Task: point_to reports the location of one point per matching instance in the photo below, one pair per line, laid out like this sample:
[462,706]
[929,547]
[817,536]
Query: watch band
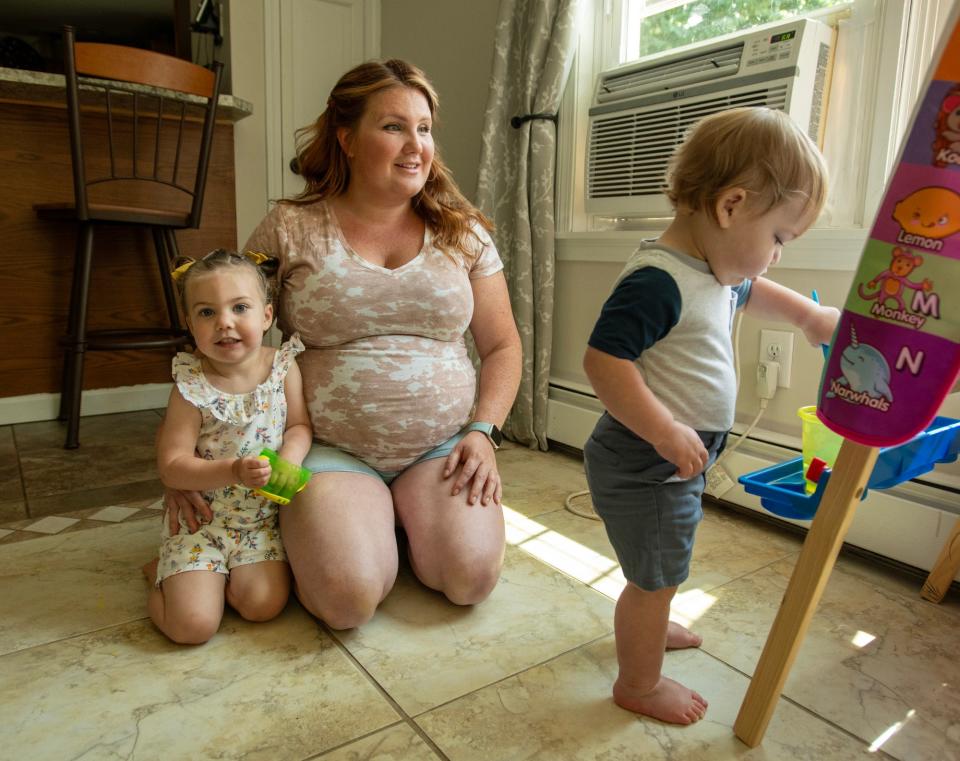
[489,430]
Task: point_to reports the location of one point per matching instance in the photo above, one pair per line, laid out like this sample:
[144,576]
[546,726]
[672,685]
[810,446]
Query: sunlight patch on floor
[572,558]
[862,639]
[688,606]
[597,571]
[891,731]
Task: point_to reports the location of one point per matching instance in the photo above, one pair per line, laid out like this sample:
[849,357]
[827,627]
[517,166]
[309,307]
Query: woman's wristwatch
[489,430]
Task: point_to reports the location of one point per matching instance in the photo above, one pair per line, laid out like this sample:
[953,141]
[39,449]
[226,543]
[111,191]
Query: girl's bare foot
[669,701]
[679,637]
[150,571]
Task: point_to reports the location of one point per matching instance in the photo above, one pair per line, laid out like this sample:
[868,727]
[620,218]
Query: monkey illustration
[892,281]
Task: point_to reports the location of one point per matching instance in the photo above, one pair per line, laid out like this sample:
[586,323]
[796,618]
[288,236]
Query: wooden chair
[158,147]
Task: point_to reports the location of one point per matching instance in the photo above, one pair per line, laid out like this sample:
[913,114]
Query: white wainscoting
[100,401]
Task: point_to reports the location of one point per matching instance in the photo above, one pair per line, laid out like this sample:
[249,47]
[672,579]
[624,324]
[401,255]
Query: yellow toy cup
[818,441]
[286,479]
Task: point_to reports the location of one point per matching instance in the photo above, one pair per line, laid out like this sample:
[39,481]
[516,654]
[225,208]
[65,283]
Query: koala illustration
[948,127]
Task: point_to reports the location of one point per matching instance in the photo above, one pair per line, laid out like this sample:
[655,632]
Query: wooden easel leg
[850,476]
[945,569]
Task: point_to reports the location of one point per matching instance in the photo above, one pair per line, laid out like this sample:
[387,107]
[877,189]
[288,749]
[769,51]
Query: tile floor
[526,675]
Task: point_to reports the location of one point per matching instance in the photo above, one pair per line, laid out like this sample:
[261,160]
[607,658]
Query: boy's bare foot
[150,571]
[669,701]
[679,637]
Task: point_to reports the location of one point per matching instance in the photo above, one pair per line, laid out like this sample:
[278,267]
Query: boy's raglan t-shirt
[670,316]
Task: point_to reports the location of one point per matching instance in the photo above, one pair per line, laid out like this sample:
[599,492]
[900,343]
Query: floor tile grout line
[347,743]
[405,717]
[517,673]
[412,719]
[76,635]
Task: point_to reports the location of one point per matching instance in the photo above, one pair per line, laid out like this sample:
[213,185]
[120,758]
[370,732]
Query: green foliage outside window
[705,20]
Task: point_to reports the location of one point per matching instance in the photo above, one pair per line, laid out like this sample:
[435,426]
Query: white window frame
[892,38]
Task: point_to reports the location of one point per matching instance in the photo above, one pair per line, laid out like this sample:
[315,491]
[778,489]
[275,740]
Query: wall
[417,30]
[452,41]
[250,134]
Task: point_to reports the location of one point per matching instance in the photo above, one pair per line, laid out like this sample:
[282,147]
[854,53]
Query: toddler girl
[232,398]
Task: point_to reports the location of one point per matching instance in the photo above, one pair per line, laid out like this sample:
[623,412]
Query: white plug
[767,374]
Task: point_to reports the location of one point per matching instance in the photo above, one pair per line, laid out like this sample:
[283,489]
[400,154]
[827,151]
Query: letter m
[926,304]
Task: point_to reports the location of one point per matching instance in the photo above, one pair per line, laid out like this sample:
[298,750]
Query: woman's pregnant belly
[388,399]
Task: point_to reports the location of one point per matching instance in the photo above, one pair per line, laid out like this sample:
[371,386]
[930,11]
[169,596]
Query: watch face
[495,436]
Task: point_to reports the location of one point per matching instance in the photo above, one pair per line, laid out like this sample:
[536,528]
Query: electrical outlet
[777,346]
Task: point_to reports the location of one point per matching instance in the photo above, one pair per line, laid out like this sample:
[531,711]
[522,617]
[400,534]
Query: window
[653,26]
[883,49]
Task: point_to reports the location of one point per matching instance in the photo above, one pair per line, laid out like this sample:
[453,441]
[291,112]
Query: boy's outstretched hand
[252,471]
[683,447]
[819,324]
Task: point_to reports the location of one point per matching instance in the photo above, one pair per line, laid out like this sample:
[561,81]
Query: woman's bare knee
[342,603]
[470,583]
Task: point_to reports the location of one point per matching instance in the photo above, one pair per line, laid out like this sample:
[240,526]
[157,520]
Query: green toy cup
[286,479]
[818,441]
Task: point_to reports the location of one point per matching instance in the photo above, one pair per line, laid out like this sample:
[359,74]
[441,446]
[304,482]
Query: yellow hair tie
[256,257]
[180,271]
[253,256]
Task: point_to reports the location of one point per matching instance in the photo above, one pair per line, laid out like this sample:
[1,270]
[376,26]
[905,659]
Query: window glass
[657,25]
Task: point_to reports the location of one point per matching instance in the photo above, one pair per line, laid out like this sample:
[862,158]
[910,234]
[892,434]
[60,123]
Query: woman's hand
[189,504]
[475,456]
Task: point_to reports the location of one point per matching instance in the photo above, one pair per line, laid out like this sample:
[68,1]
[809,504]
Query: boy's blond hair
[758,149]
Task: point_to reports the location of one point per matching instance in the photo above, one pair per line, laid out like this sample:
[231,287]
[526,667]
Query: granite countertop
[36,86]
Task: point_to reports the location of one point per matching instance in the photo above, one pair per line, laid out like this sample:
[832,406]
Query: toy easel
[894,358]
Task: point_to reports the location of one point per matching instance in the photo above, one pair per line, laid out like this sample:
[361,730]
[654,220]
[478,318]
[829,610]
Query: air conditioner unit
[642,111]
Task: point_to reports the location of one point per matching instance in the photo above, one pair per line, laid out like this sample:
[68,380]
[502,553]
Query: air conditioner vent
[642,111]
[703,67]
[629,152]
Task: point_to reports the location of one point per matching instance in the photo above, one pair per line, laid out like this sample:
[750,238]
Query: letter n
[913,362]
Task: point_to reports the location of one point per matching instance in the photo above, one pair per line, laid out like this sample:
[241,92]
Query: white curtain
[534,48]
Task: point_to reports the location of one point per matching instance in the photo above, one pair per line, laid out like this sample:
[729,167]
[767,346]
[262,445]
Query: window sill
[833,249]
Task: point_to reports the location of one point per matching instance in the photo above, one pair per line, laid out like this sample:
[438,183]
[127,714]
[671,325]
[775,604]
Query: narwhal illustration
[864,369]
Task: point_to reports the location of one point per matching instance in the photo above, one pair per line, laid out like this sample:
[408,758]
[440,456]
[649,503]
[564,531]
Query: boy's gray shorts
[651,520]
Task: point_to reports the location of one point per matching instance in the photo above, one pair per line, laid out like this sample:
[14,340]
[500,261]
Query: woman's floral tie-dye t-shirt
[386,372]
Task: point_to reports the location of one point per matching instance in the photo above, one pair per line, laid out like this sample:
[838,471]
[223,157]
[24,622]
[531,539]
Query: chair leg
[77,337]
[165,257]
[66,380]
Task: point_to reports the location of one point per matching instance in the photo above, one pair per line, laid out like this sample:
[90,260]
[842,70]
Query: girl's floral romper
[245,526]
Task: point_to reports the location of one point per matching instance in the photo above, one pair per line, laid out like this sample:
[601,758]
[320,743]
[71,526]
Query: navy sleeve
[743,292]
[642,309]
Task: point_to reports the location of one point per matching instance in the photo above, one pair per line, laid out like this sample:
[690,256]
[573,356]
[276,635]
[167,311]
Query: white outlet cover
[784,340]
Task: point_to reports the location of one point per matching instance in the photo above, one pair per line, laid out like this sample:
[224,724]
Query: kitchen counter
[21,86]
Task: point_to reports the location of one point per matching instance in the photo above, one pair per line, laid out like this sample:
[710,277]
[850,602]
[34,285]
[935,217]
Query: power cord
[768,374]
[585,512]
